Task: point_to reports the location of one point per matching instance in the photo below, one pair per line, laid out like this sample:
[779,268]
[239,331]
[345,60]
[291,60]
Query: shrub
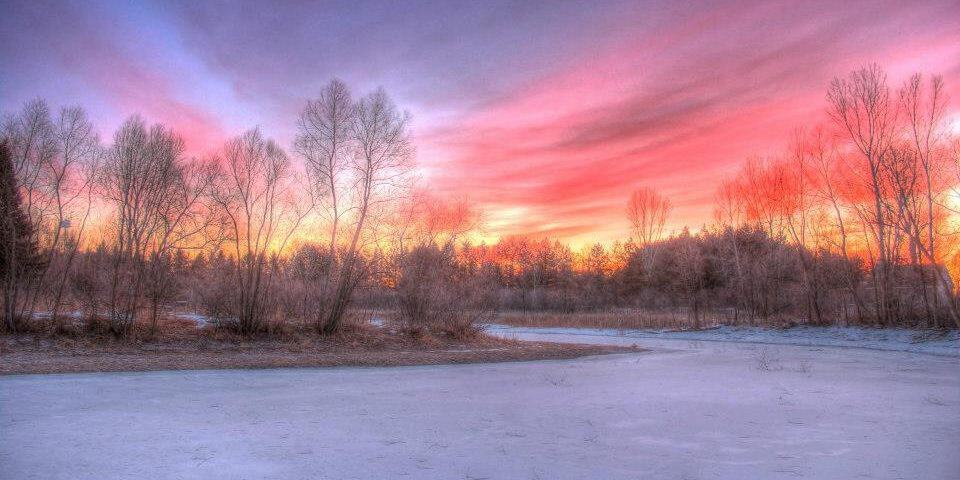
[434,294]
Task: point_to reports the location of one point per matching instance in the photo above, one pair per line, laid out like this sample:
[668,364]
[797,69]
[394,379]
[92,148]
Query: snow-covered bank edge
[889,339]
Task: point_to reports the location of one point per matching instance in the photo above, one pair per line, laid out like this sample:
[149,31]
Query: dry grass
[179,346]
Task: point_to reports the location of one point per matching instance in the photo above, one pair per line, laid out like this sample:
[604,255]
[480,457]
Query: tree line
[877,185]
[155,205]
[852,224]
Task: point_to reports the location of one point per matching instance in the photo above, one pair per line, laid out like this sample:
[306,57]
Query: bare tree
[729,213]
[255,198]
[141,178]
[75,233]
[184,222]
[758,188]
[31,138]
[50,159]
[380,170]
[325,141]
[647,211]
[796,205]
[925,111]
[69,175]
[426,219]
[861,107]
[825,166]
[954,167]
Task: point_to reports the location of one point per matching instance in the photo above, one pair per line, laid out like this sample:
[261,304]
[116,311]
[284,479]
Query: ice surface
[686,409]
[198,318]
[894,339]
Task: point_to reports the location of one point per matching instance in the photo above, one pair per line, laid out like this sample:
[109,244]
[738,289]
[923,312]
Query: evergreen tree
[18,251]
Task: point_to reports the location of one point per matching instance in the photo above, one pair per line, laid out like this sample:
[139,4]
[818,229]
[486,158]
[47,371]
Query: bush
[434,294]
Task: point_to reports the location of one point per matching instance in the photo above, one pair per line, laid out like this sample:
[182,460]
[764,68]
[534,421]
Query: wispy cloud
[547,114]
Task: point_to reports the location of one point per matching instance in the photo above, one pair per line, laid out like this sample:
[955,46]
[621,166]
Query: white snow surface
[893,339]
[684,409]
[200,319]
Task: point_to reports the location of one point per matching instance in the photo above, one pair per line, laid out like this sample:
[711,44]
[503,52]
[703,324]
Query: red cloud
[676,109]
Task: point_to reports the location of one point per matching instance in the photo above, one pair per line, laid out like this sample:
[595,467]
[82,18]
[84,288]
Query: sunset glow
[546,115]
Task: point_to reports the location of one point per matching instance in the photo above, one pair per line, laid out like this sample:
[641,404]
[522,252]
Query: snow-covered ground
[893,339]
[686,409]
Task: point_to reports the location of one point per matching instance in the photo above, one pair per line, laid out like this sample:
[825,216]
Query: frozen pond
[687,409]
[892,339]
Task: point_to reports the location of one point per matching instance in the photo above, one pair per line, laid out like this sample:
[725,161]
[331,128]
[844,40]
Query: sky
[545,114]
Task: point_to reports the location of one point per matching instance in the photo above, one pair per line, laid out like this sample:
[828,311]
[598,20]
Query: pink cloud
[546,114]
[676,109]
[149,92]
